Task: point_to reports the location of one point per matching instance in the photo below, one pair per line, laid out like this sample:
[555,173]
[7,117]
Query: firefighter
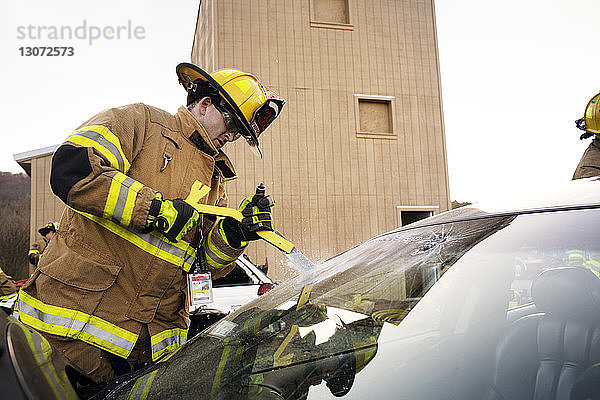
[47,231]
[589,165]
[109,292]
[8,291]
[579,258]
[34,256]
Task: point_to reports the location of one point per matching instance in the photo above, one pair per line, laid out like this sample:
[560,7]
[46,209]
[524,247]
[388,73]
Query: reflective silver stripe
[215,257]
[592,267]
[96,137]
[8,301]
[45,363]
[75,325]
[151,243]
[117,214]
[168,341]
[142,387]
[163,244]
[8,296]
[210,248]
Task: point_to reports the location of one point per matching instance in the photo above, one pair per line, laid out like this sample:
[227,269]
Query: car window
[418,312]
[236,277]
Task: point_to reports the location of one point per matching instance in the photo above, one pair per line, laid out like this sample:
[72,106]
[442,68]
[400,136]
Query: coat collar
[199,138]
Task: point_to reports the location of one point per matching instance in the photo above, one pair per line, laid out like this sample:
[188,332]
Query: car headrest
[568,292]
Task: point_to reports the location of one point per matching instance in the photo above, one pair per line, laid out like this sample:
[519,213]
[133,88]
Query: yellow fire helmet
[241,94]
[49,227]
[590,123]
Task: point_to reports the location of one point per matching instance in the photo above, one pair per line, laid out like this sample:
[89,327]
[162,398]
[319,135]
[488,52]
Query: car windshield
[416,313]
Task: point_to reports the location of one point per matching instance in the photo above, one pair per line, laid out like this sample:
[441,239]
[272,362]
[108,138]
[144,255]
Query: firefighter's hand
[256,210]
[172,218]
[34,256]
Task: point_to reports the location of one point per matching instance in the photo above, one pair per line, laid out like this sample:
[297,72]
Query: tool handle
[264,201]
[261,189]
[199,191]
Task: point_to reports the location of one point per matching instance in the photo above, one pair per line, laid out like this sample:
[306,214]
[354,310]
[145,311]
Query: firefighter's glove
[34,256]
[172,218]
[256,210]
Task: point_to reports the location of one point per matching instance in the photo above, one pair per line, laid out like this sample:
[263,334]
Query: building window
[375,116]
[409,214]
[331,14]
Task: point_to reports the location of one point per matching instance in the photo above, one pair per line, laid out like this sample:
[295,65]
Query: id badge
[199,290]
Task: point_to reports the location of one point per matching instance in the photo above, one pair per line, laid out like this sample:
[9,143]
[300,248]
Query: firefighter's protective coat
[589,165]
[101,277]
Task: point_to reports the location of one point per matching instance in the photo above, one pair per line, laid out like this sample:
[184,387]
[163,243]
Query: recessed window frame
[316,23]
[432,209]
[376,135]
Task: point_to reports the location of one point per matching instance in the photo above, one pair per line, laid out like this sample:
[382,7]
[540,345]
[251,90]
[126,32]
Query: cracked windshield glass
[429,301]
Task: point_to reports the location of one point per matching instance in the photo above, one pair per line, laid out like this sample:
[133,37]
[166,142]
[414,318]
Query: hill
[14,227]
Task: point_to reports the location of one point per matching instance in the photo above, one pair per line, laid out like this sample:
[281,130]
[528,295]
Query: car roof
[572,195]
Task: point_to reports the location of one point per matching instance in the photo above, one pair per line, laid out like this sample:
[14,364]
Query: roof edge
[27,155]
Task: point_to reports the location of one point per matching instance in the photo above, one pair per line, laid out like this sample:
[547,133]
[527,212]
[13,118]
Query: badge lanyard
[199,282]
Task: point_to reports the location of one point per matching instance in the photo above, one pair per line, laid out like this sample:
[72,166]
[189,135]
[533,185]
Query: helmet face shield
[266,114]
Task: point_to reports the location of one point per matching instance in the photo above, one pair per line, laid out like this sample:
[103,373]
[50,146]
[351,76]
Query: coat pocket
[78,272]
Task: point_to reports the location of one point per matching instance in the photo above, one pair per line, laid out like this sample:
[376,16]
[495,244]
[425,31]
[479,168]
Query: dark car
[433,310]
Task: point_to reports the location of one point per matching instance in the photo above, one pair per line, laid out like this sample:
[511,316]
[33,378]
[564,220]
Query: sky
[515,75]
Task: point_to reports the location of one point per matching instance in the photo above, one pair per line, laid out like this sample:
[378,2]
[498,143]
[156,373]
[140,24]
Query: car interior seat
[542,355]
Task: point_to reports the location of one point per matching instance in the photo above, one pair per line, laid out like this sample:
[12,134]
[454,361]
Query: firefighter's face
[221,131]
[218,126]
[48,236]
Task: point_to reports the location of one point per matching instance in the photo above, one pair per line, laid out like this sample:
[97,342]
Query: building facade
[359,148]
[45,206]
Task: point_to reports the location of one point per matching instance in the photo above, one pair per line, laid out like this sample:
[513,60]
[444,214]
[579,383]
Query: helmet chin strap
[580,124]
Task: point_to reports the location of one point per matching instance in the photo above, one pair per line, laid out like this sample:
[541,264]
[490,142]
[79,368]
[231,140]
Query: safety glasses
[230,124]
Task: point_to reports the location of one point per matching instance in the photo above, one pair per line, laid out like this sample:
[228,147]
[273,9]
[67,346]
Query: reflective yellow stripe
[220,369]
[142,387]
[304,296]
[171,354]
[278,360]
[593,266]
[575,254]
[180,254]
[103,140]
[128,211]
[76,325]
[42,352]
[8,296]
[8,301]
[121,199]
[167,341]
[215,257]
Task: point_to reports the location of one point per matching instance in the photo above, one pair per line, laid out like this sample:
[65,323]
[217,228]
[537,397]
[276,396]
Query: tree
[456,204]
[14,229]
